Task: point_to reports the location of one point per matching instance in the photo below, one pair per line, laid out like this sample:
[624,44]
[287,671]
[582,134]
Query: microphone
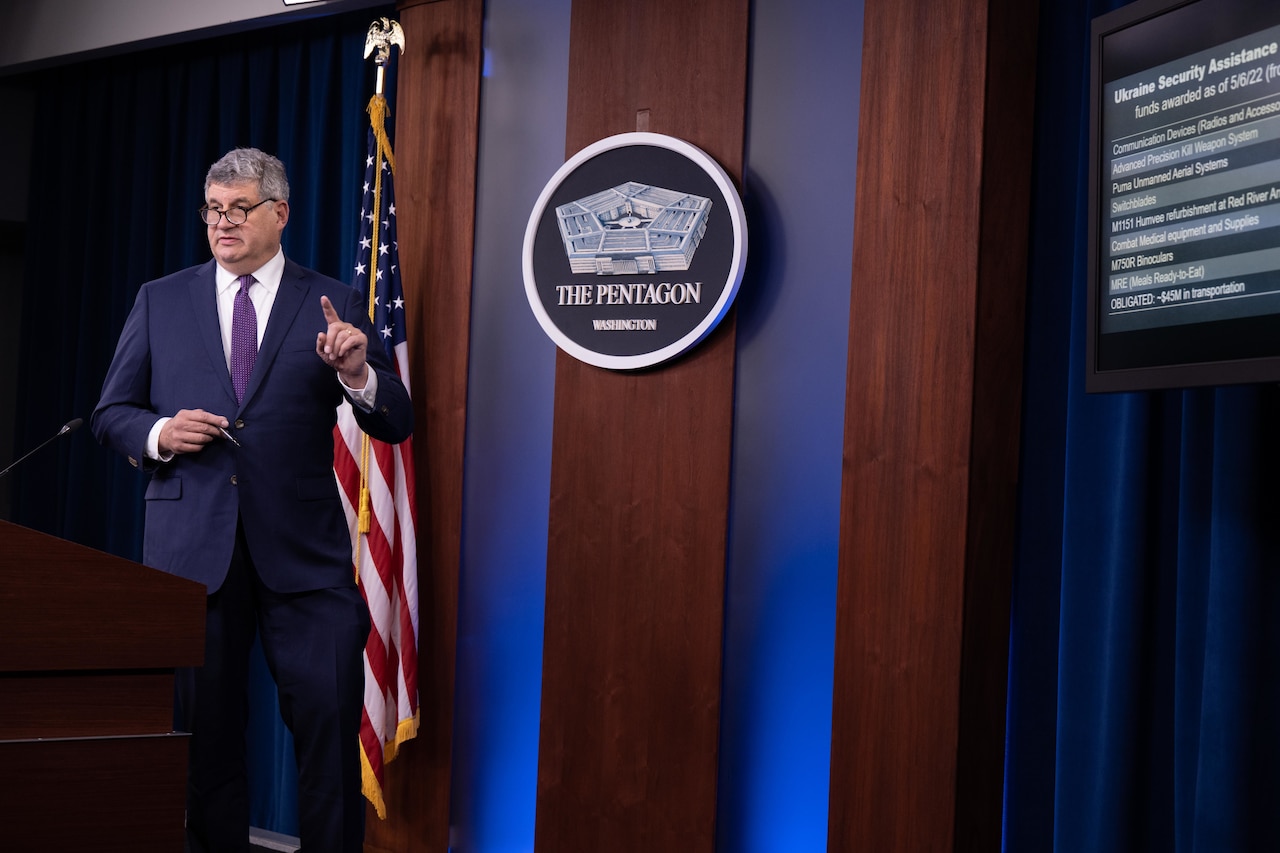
[69,426]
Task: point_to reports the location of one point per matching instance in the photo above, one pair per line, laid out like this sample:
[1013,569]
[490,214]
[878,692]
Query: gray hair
[250,166]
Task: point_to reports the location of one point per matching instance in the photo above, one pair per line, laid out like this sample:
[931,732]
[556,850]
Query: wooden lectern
[89,643]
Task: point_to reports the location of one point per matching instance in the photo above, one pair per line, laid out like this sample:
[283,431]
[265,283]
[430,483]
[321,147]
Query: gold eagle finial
[383,33]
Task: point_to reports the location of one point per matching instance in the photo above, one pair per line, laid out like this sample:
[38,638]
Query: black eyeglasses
[235,215]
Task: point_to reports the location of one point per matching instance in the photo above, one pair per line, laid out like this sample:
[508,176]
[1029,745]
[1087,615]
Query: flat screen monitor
[1184,195]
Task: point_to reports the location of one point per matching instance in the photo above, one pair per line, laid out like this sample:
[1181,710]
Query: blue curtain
[121,149]
[1144,654]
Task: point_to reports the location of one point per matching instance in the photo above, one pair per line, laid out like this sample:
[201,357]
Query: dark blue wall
[508,444]
[793,326]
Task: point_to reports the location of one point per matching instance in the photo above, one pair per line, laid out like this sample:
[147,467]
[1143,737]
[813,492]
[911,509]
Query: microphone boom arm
[69,426]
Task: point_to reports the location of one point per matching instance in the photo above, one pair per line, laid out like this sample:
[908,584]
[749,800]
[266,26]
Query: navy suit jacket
[280,482]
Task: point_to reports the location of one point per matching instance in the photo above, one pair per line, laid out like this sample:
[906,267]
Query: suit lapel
[289,299]
[204,299]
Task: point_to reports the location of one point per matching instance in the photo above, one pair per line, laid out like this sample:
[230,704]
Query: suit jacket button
[239,423]
[386,411]
[234,481]
[133,462]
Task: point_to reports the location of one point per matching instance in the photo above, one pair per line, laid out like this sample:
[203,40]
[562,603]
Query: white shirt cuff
[363,397]
[153,441]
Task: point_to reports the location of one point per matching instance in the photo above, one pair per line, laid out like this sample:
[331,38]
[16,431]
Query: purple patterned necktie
[244,337]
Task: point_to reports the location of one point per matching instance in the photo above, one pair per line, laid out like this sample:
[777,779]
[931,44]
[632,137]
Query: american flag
[377,485]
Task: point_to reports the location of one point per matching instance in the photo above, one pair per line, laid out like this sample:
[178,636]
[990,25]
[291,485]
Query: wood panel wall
[640,471]
[640,484]
[437,116]
[932,425]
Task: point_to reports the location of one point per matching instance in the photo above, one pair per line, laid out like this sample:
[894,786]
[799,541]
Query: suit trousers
[313,643]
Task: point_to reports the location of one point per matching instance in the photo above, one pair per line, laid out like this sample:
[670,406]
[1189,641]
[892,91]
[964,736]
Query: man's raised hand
[343,347]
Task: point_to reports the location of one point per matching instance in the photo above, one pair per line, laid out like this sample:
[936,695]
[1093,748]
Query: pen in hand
[228,436]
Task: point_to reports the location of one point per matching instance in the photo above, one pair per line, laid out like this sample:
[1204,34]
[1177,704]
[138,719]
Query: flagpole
[383,34]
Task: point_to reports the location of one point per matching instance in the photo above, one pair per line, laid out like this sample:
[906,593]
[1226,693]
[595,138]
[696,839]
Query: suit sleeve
[391,419]
[123,417]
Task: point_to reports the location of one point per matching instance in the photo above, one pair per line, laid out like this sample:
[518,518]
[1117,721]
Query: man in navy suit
[224,388]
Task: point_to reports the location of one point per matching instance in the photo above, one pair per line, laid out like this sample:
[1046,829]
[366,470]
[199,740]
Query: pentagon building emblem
[635,251]
[633,228]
